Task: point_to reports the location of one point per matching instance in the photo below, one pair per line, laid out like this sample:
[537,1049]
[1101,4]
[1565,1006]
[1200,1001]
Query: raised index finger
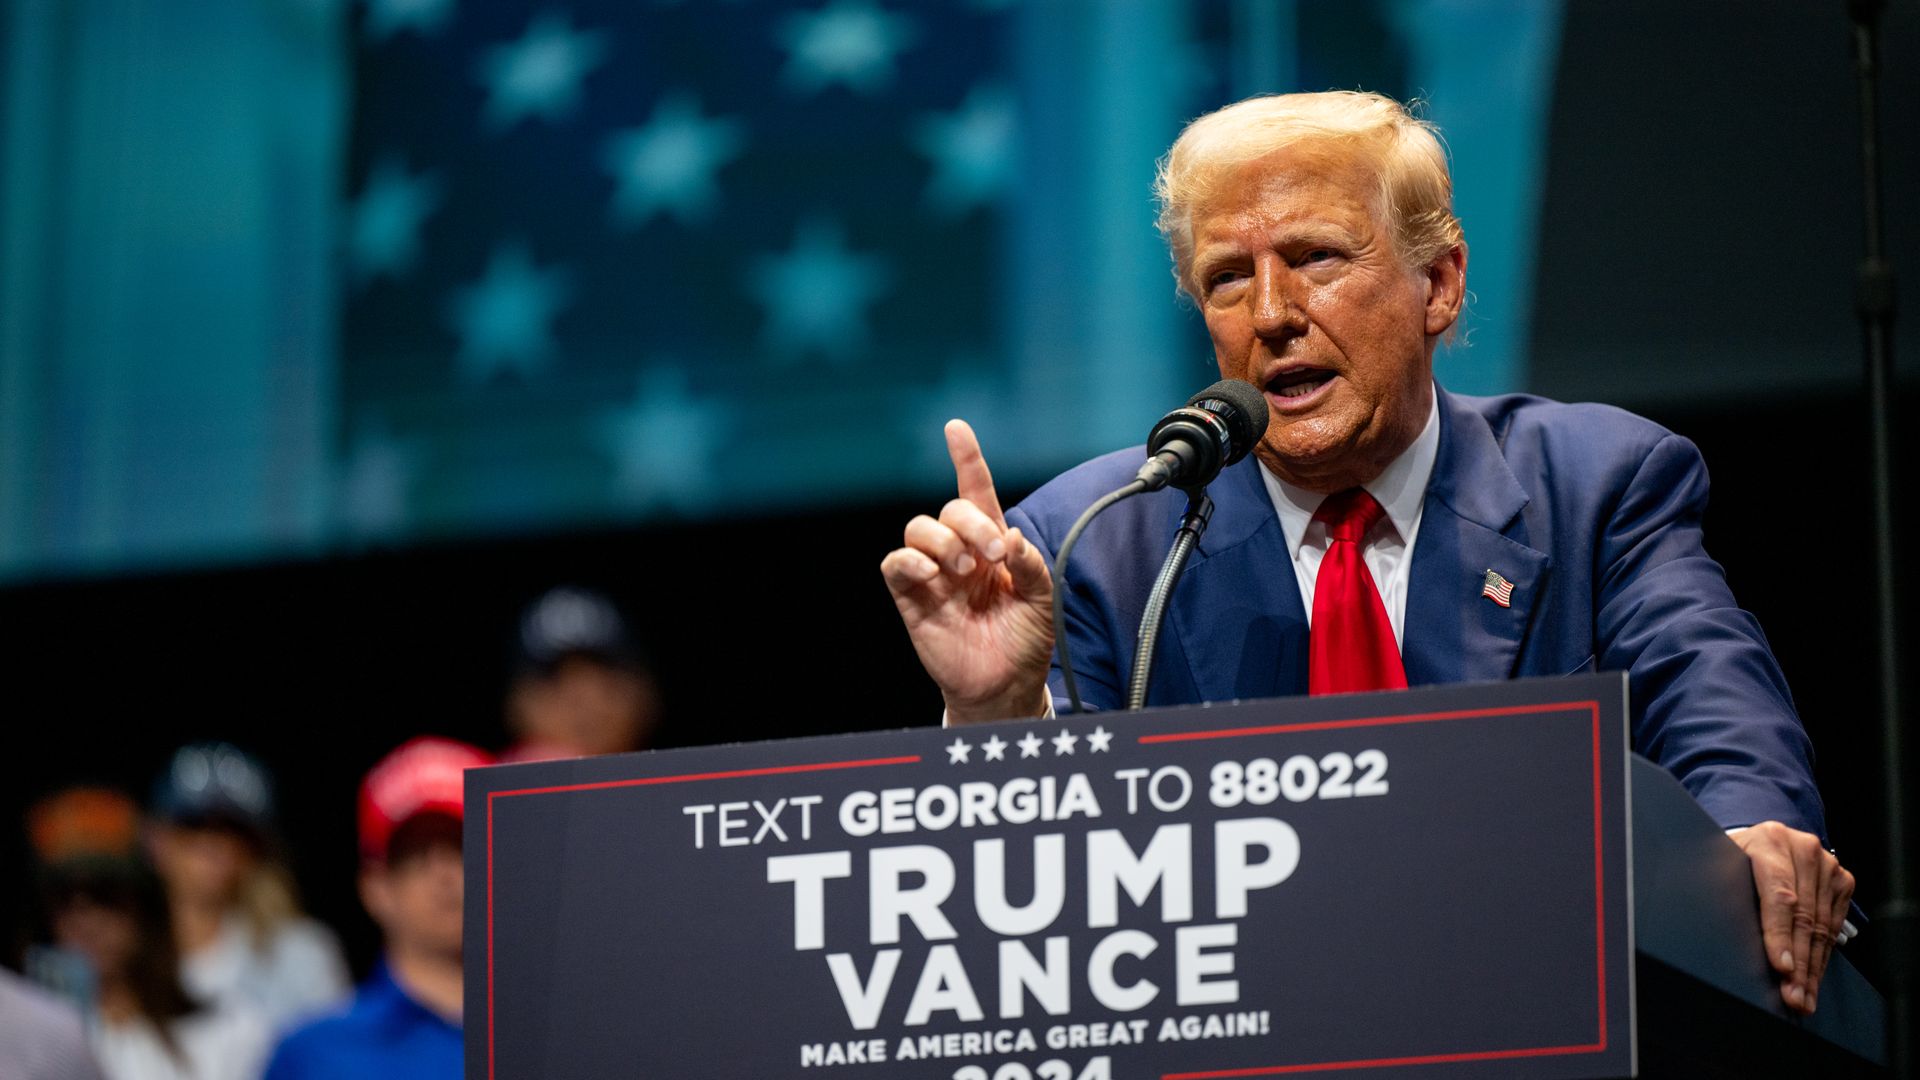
[970,470]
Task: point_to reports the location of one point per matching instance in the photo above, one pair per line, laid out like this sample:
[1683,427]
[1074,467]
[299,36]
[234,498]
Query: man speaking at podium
[1383,533]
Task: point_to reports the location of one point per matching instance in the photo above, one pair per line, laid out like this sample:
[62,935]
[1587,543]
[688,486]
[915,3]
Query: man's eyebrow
[1319,232]
[1209,259]
[1329,234]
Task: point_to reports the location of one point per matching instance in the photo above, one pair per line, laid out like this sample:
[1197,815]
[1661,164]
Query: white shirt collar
[1401,488]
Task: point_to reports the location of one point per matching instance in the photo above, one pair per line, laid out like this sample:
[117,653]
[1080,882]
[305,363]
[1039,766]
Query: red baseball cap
[425,775]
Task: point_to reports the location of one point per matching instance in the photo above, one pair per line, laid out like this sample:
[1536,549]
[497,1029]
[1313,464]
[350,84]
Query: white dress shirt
[1400,489]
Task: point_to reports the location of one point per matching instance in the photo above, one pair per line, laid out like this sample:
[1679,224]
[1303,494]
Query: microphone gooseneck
[1186,449]
[1192,525]
[1133,487]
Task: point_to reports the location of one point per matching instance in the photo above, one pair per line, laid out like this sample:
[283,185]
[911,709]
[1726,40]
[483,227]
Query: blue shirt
[384,1033]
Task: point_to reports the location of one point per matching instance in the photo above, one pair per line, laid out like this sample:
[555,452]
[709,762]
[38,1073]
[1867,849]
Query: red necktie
[1351,645]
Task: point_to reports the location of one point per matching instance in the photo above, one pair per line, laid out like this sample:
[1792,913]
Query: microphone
[1216,427]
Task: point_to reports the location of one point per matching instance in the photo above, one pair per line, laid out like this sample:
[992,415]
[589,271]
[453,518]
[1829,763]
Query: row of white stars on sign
[959,751]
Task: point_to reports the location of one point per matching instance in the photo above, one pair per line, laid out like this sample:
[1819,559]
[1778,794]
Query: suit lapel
[1237,611]
[1470,524]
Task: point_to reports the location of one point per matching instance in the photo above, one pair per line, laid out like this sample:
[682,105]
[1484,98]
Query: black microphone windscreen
[1246,415]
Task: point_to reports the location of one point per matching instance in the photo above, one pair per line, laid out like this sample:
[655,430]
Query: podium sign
[1380,884]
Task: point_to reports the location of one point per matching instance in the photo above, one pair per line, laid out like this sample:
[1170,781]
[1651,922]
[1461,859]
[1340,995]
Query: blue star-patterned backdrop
[472,268]
[619,259]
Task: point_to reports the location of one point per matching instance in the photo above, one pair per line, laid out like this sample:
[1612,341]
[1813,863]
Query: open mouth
[1297,384]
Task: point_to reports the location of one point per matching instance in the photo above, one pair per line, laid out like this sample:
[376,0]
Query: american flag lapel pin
[1497,589]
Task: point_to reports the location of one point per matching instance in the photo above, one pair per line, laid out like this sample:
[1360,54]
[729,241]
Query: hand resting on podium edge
[1804,895]
[976,597]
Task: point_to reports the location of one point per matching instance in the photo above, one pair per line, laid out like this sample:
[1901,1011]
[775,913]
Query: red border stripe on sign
[646,781]
[1376,1063]
[1371,721]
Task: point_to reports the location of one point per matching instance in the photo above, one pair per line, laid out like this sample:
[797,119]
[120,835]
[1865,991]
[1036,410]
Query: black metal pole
[1895,925]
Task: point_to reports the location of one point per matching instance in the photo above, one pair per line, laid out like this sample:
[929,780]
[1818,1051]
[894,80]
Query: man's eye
[1319,255]
[1223,277]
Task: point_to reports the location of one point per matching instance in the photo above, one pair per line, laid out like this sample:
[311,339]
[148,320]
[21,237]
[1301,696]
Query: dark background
[1699,237]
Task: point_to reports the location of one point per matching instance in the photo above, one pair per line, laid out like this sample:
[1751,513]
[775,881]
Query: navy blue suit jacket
[1591,512]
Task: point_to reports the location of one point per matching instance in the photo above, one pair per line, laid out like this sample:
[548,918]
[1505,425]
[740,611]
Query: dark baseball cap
[215,783]
[572,621]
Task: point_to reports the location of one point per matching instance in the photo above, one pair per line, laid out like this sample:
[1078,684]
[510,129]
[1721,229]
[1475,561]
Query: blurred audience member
[243,939]
[405,1021]
[104,905]
[582,685]
[40,1035]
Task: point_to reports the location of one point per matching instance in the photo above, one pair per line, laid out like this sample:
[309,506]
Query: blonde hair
[268,900]
[1404,151]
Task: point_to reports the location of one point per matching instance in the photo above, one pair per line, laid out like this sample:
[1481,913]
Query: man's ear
[527,701]
[1446,289]
[376,892]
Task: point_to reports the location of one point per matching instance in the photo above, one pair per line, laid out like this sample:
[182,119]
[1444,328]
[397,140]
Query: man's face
[1305,297]
[585,707]
[106,935]
[200,864]
[417,897]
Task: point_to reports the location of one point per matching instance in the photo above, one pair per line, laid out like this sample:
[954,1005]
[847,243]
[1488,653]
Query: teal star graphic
[972,149]
[540,74]
[386,18]
[849,42]
[667,165]
[662,443]
[504,320]
[383,224]
[816,294]
[972,390]
[375,482]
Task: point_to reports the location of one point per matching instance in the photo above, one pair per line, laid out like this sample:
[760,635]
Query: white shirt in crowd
[293,974]
[214,1044]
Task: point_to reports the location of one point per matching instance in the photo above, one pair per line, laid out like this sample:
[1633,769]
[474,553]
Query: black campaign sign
[1422,881]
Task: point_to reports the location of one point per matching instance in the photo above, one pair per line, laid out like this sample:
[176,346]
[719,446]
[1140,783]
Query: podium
[1452,881]
[1709,1005]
